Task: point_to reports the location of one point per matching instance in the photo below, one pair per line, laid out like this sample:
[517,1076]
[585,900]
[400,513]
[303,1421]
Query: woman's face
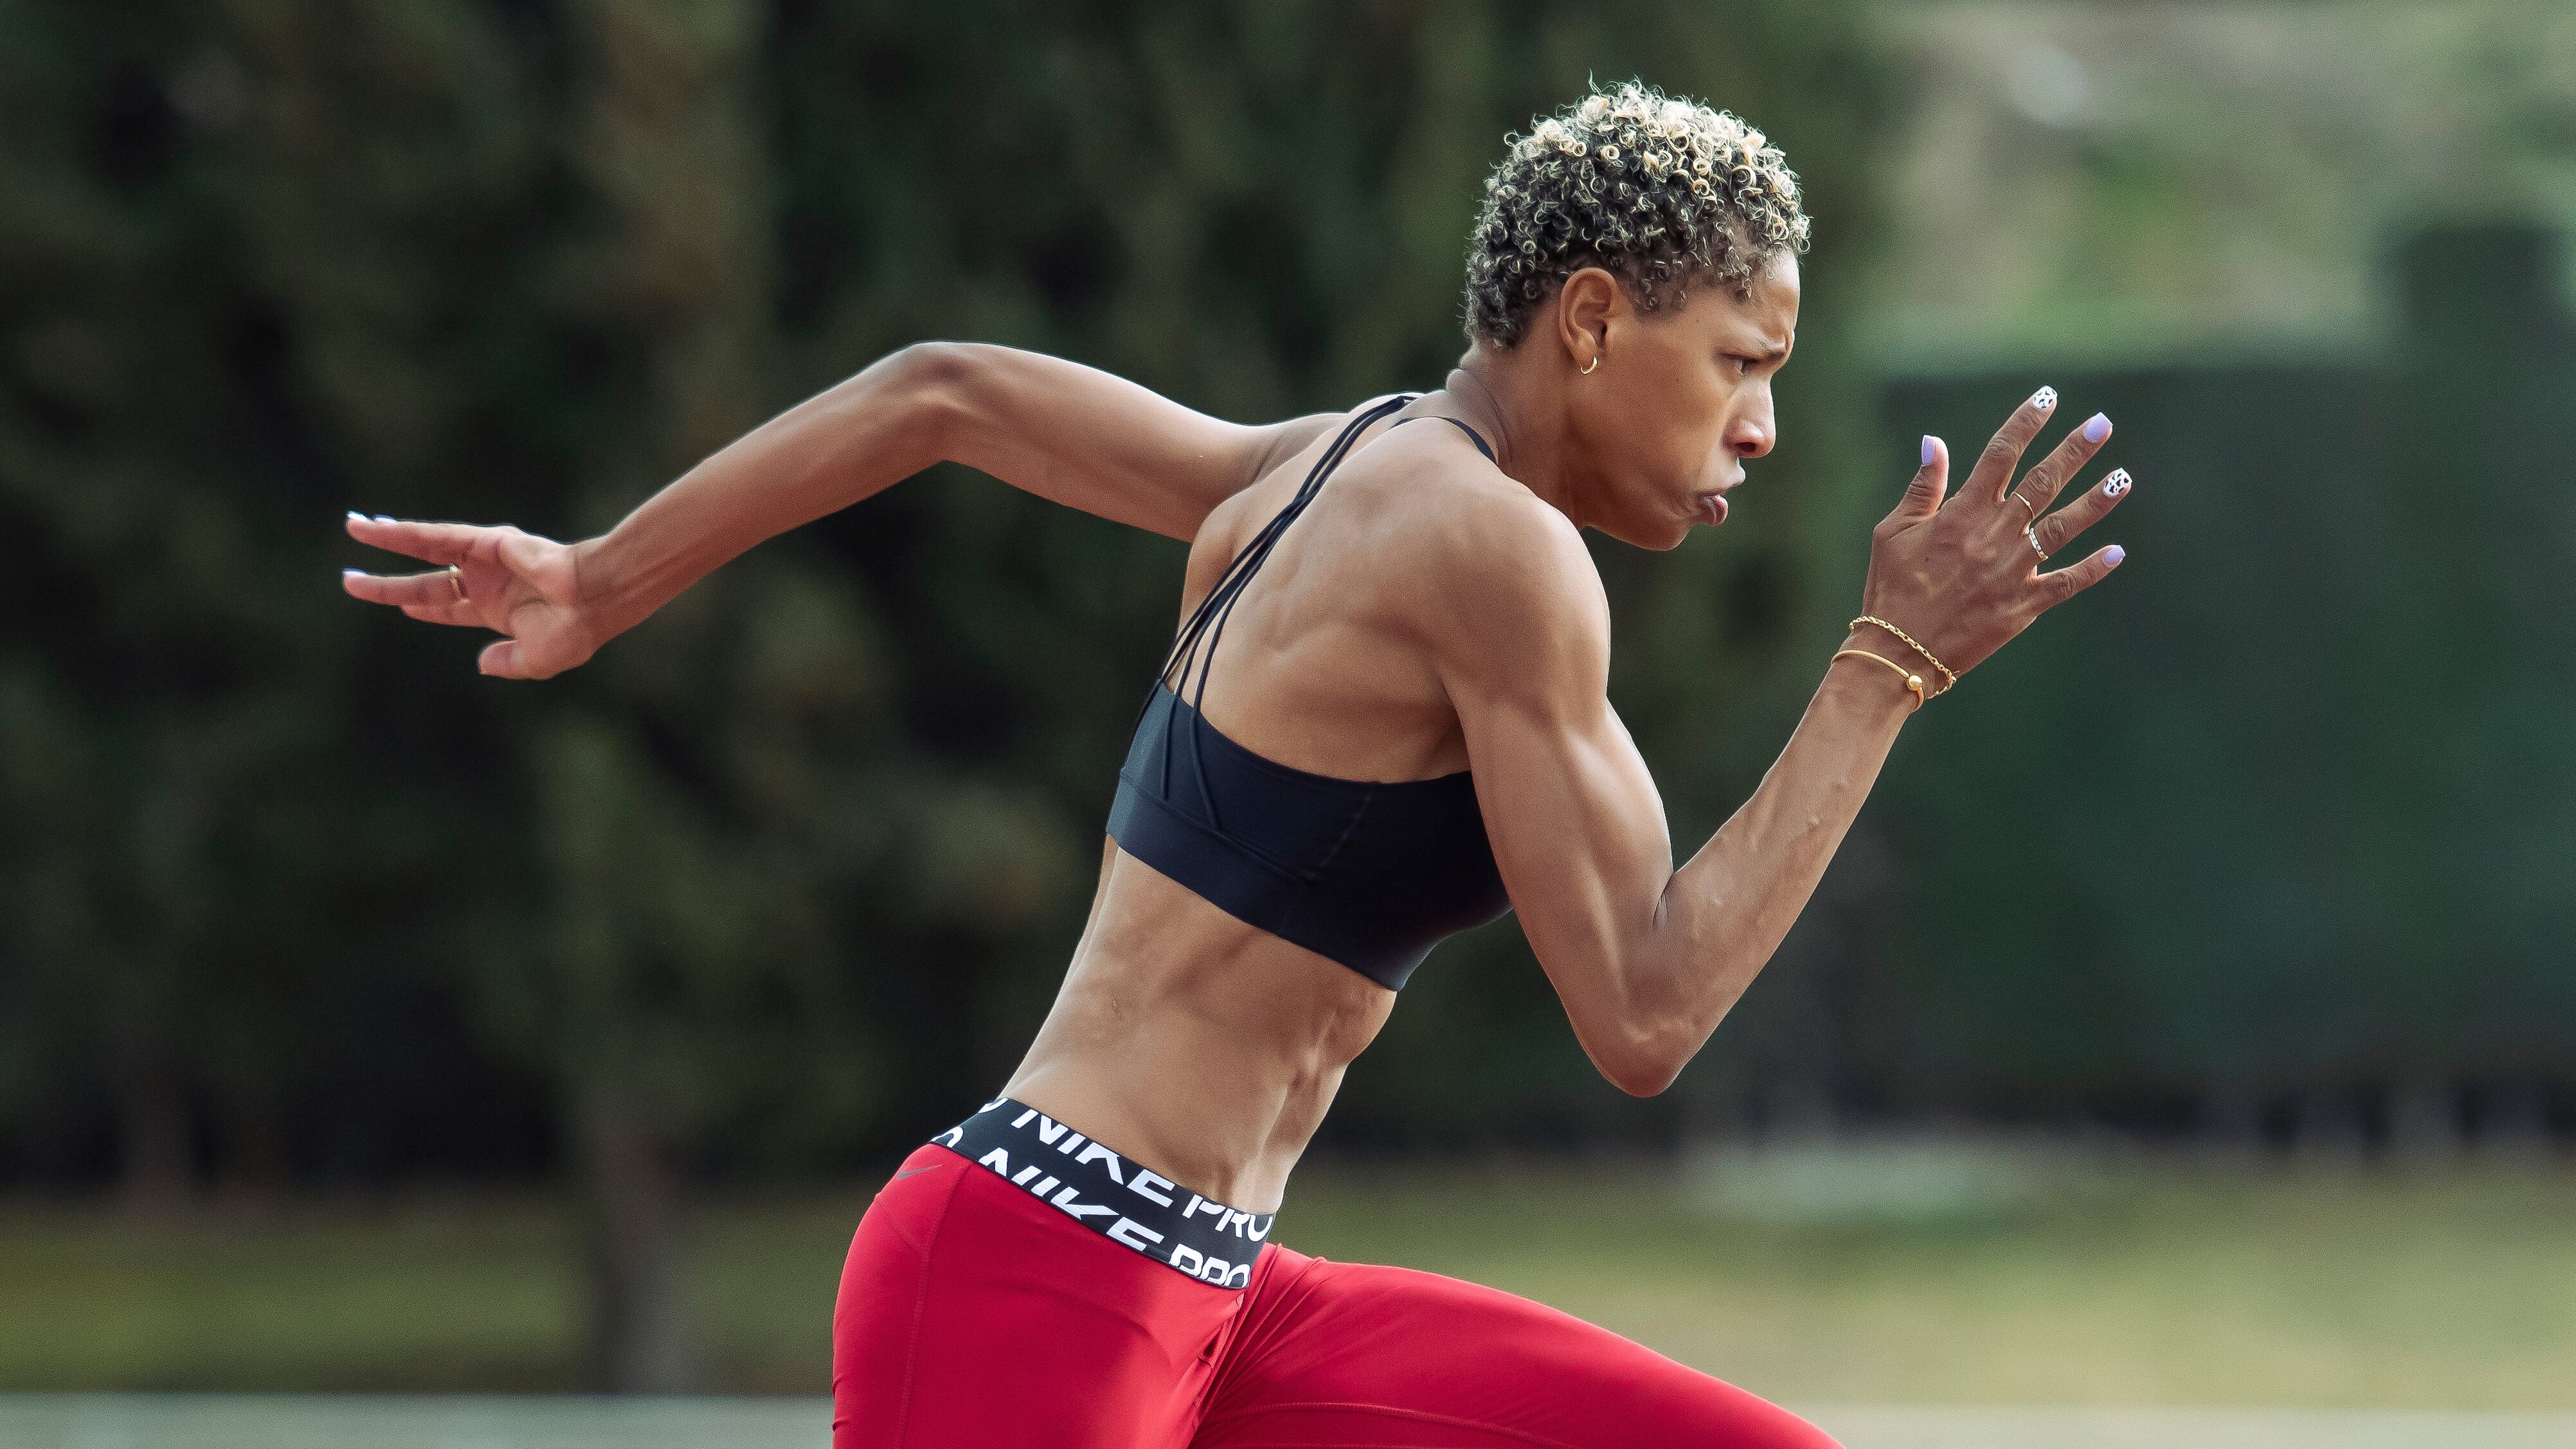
[1678,401]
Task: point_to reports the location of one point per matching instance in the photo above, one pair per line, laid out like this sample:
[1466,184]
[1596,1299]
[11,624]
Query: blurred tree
[171,682]
[528,262]
[1260,209]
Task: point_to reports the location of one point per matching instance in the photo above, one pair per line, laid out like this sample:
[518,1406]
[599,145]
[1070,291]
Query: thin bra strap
[1209,618]
[1238,569]
[1473,436]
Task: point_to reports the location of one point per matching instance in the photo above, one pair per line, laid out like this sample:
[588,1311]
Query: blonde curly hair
[1658,191]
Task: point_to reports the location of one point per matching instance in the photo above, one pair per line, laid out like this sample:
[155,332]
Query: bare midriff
[1205,1048]
[1199,1046]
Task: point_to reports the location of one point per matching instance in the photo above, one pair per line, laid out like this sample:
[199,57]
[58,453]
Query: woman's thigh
[1340,1354]
[973,1316]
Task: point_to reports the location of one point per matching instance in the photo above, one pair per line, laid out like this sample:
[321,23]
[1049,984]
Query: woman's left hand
[500,578]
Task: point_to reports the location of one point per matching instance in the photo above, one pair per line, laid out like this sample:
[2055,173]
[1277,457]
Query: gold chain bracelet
[1949,681]
[1913,681]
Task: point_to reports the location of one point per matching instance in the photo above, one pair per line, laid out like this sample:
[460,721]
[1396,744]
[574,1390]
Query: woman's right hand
[1962,575]
[499,578]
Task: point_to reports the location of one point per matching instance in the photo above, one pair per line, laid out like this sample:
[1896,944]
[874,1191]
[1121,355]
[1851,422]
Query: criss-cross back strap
[1209,618]
[1207,621]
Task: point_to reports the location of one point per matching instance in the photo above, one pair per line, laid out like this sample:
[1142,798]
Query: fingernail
[1931,446]
[384,518]
[351,573]
[2096,428]
[2113,555]
[356,517]
[2044,399]
[2116,484]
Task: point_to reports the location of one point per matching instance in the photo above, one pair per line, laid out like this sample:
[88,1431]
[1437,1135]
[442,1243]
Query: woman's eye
[1743,365]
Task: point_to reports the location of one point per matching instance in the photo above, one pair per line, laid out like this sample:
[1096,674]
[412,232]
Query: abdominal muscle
[1192,1043]
[1202,1047]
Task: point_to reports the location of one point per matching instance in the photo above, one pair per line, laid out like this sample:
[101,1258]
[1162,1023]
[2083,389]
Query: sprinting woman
[1383,719]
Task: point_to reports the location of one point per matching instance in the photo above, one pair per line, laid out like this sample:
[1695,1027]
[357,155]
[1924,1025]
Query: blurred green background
[2190,1018]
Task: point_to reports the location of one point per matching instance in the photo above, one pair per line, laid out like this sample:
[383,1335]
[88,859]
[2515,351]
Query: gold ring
[2026,503]
[456,580]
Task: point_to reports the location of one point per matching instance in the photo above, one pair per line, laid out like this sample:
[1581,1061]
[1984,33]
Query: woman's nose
[1752,436]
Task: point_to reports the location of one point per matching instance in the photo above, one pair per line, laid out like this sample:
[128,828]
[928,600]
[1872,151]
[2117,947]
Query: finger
[463,615]
[1994,470]
[2059,529]
[2066,583]
[1931,481]
[403,590]
[2038,487]
[438,543]
[501,660]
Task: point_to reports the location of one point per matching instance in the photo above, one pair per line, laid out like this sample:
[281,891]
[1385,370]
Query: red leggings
[974,1316]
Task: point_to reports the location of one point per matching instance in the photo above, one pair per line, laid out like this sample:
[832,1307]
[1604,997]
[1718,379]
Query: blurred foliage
[788,875]
[2088,180]
[786,878]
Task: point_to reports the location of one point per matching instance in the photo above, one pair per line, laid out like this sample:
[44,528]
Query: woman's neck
[1523,417]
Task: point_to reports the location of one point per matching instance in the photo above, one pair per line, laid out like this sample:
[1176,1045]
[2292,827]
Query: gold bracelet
[1913,681]
[1949,681]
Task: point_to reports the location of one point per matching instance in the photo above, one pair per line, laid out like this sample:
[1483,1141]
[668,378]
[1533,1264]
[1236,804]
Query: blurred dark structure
[2271,837]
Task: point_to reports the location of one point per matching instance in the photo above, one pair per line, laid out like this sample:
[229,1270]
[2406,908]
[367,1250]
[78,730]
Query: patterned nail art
[2116,484]
[2044,399]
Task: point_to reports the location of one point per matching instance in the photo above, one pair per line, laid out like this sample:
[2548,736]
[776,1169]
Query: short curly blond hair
[1661,192]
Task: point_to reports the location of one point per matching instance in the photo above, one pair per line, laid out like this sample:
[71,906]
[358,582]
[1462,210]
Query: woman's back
[1212,1045]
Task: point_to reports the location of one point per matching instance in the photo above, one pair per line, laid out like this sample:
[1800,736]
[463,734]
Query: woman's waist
[1110,1193]
[1217,1081]
[1231,1129]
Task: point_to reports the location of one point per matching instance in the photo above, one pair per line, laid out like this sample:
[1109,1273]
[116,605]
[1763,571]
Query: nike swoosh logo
[914,1172]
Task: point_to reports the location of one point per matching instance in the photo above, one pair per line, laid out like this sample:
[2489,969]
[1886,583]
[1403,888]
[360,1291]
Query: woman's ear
[1586,306]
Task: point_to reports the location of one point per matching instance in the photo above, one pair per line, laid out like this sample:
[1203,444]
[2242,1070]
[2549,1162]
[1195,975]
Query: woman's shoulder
[1476,549]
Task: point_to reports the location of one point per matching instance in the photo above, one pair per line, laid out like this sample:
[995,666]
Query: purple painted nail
[351,573]
[2096,428]
[384,518]
[2113,555]
[356,517]
[1930,446]
[2044,399]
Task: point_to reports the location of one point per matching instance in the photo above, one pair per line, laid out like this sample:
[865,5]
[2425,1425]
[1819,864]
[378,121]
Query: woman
[1384,719]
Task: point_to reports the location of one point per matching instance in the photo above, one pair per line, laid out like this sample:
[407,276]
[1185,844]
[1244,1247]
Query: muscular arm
[1054,428]
[1062,431]
[1646,958]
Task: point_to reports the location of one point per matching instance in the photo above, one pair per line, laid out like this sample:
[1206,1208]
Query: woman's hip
[1014,1283]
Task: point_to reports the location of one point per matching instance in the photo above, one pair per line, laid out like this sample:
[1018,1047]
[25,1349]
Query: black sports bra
[1368,874]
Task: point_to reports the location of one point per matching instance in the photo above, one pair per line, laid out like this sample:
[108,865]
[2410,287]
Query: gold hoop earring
[1587,367]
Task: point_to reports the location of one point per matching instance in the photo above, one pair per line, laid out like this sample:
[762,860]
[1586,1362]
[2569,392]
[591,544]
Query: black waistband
[1111,1196]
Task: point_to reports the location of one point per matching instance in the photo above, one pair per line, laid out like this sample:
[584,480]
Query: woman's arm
[1647,959]
[1062,431]
[1057,429]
